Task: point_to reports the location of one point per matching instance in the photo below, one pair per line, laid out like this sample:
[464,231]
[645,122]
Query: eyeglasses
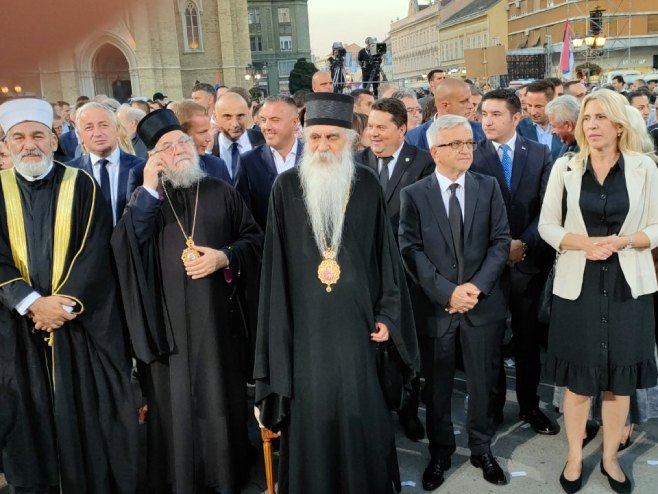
[414,110]
[457,145]
[169,147]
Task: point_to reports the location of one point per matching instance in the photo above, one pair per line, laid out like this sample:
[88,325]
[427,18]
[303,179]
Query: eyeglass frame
[458,145]
[171,146]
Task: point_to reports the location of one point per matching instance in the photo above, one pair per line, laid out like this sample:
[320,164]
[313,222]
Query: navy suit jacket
[213,166]
[429,257]
[412,165]
[68,141]
[255,178]
[126,163]
[531,167]
[418,136]
[527,129]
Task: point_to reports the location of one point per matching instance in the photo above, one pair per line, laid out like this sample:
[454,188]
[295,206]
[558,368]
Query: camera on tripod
[376,50]
[338,51]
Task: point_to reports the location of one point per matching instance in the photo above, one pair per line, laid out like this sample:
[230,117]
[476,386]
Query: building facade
[278,36]
[480,24]
[536,30]
[156,45]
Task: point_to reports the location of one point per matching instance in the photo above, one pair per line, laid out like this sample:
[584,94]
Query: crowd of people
[160,258]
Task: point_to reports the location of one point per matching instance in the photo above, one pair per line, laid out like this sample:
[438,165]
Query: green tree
[301,75]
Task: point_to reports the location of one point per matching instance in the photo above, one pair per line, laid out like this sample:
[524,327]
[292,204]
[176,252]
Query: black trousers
[481,347]
[529,337]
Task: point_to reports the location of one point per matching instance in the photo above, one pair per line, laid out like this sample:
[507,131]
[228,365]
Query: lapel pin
[407,160]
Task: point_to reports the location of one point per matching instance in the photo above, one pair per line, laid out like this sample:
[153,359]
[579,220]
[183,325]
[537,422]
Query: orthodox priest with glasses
[67,419]
[187,250]
[332,288]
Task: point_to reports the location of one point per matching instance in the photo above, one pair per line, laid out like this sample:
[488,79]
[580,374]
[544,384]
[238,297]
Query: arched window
[190,16]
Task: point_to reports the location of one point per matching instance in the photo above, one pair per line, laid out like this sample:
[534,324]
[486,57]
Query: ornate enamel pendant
[329,270]
[190,253]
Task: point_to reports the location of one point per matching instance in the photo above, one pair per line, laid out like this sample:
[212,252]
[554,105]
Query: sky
[351,21]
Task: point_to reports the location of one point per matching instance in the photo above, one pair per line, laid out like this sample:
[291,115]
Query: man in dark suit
[454,240]
[109,165]
[398,164]
[522,168]
[260,166]
[70,145]
[234,139]
[536,126]
[452,97]
[195,122]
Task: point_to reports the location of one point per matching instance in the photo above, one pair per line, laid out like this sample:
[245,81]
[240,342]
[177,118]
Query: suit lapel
[268,158]
[518,163]
[495,167]
[471,192]
[635,182]
[439,210]
[122,186]
[401,165]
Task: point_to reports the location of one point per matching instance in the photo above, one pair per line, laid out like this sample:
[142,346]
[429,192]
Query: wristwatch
[629,245]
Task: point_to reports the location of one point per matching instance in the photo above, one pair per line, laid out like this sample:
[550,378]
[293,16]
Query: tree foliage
[301,75]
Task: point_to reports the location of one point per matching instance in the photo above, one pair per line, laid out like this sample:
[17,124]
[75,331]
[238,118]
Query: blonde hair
[614,108]
[124,141]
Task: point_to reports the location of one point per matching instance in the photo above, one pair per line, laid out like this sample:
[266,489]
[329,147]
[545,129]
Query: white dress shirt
[244,145]
[113,171]
[289,162]
[512,146]
[391,164]
[444,184]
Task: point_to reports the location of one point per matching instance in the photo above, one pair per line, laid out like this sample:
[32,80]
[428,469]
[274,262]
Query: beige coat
[641,176]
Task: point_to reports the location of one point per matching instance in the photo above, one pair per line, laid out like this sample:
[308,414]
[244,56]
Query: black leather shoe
[539,422]
[433,474]
[571,486]
[413,428]
[491,470]
[619,487]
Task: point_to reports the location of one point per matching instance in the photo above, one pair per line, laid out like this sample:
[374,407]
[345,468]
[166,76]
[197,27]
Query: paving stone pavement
[537,460]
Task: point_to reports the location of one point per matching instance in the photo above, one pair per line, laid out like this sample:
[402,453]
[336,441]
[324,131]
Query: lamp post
[255,73]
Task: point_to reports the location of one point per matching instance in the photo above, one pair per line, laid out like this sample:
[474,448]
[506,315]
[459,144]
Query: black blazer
[526,128]
[255,178]
[68,141]
[213,166]
[531,168]
[428,252]
[413,164]
[255,137]
[126,163]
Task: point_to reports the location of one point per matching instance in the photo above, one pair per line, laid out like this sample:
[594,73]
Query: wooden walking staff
[267,436]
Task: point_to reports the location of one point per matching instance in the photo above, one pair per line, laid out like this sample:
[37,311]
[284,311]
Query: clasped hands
[210,261]
[47,313]
[463,299]
[600,248]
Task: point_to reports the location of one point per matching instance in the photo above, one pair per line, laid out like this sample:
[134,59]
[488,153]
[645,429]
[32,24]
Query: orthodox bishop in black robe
[190,330]
[316,374]
[67,419]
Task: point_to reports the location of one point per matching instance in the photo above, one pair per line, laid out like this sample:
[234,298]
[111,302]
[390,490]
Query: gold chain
[196,206]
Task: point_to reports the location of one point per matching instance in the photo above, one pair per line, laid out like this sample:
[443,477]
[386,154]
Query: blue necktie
[235,160]
[507,166]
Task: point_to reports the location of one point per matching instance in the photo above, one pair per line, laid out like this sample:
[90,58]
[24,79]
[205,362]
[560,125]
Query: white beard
[186,177]
[32,168]
[326,185]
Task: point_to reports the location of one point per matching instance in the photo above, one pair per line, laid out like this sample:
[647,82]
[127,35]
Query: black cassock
[193,334]
[316,376]
[81,434]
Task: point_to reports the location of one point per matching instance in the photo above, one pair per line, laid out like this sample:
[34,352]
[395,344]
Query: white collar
[511,144]
[445,182]
[292,152]
[243,141]
[113,157]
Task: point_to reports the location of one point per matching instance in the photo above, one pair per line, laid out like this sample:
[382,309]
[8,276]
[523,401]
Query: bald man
[234,139]
[321,82]
[451,97]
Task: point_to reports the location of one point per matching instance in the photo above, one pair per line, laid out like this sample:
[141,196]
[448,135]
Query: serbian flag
[566,59]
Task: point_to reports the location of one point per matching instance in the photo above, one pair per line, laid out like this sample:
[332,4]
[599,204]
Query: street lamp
[255,73]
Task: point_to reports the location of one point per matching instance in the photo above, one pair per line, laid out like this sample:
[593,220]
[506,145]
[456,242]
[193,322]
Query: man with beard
[67,419]
[187,252]
[332,288]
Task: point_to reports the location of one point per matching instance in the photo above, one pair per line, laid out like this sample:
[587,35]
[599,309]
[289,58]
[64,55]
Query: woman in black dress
[601,336]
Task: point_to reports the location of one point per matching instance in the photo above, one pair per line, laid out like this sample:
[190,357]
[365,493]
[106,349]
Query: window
[192,29]
[253,16]
[256,43]
[284,15]
[285,43]
[285,67]
[485,39]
